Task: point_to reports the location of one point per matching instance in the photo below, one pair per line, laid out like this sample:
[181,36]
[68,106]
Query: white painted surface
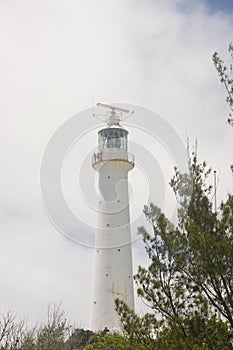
[113,276]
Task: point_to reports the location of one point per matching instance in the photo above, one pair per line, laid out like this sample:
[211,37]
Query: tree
[15,334]
[201,334]
[197,332]
[226,78]
[109,342]
[79,338]
[56,334]
[53,335]
[190,277]
[139,331]
[207,256]
[7,325]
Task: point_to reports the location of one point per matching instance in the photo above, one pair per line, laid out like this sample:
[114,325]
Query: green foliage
[109,342]
[79,338]
[139,331]
[226,79]
[190,276]
[200,334]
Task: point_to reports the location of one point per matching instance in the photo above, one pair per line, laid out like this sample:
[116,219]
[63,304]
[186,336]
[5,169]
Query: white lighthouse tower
[112,257]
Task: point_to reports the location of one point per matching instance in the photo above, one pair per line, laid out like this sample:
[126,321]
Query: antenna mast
[114,114]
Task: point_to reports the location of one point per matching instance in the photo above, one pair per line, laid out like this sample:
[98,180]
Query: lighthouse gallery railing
[112,155]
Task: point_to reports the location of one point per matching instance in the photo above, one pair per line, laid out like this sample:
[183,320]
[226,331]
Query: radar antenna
[114,114]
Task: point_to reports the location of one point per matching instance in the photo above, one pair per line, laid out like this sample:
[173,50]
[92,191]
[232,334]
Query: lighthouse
[113,275]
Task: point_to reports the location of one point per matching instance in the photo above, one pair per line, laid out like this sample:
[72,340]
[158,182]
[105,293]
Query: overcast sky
[59,58]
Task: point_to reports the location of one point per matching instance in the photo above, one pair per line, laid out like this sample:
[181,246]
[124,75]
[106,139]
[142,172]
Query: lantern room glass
[113,138]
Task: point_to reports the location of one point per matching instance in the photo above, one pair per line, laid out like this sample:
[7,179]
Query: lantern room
[112,137]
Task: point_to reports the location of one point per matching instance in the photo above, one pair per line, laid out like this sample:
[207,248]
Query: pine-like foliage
[226,77]
[188,284]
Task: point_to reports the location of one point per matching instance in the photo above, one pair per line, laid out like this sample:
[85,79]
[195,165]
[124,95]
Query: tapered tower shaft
[112,257]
